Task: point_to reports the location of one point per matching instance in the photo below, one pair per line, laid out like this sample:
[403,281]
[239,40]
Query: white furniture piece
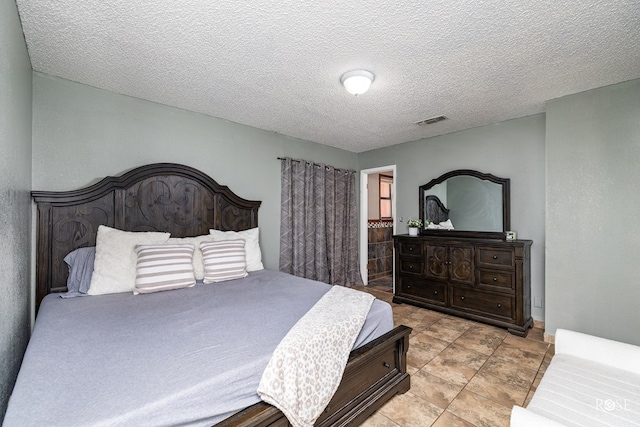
[591,381]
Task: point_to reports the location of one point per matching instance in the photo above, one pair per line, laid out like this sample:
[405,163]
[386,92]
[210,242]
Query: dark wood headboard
[159,197]
[435,210]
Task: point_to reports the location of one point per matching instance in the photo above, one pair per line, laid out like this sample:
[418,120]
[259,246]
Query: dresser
[480,279]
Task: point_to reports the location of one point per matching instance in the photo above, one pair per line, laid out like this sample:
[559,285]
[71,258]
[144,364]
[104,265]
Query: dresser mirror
[465,203]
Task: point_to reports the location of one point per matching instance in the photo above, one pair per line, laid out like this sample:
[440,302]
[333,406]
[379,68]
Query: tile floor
[463,373]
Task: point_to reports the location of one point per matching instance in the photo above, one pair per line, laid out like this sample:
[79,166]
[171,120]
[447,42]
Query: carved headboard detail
[158,197]
[436,212]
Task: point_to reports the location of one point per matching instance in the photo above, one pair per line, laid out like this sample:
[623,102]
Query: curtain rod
[316,164]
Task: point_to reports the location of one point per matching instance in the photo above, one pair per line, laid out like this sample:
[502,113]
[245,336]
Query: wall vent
[431,121]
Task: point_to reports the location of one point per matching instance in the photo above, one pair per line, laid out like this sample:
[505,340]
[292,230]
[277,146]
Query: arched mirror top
[466,203]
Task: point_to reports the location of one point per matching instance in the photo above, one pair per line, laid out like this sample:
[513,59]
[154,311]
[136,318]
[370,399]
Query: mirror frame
[506,205]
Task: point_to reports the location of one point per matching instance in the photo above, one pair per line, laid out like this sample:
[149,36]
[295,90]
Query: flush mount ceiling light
[357,82]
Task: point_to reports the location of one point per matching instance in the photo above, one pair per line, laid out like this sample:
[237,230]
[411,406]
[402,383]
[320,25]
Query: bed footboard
[375,373]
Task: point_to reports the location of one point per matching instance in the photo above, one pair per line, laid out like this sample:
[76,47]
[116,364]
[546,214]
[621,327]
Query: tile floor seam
[443,409]
[476,373]
[481,397]
[466,384]
[470,379]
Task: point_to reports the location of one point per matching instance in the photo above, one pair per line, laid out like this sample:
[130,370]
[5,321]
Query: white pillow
[198,266]
[114,268]
[224,260]
[252,246]
[163,268]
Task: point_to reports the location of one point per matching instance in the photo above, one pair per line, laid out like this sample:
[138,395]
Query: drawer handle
[411,248]
[495,279]
[462,298]
[435,292]
[411,267]
[408,286]
[499,305]
[495,257]
[386,365]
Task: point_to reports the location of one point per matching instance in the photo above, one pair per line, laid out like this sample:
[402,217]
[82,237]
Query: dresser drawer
[431,292]
[495,257]
[410,247]
[411,266]
[482,303]
[496,280]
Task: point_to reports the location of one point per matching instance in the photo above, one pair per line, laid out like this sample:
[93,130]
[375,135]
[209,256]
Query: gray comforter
[188,357]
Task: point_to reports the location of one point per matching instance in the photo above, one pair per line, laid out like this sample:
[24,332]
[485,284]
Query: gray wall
[512,149]
[15,205]
[593,202]
[81,134]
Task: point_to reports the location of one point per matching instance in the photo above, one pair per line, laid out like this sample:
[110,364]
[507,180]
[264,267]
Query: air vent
[431,121]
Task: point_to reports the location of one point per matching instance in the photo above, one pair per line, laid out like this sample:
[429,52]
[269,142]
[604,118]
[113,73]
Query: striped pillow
[163,267]
[224,260]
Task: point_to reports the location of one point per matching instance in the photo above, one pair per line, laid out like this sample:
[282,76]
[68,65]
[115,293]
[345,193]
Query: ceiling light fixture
[357,82]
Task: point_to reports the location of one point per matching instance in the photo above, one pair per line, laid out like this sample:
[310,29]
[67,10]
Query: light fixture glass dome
[357,82]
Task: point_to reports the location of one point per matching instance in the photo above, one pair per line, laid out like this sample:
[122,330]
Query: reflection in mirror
[466,203]
[473,204]
[435,212]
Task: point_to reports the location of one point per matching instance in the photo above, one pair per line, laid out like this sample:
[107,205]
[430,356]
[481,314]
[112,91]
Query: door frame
[364,214]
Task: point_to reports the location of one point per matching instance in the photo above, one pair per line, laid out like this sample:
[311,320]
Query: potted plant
[414,225]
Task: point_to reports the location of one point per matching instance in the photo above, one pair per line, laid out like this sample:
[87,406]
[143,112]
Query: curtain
[319,223]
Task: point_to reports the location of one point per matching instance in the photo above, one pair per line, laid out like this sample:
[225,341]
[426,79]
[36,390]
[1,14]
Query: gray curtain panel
[319,223]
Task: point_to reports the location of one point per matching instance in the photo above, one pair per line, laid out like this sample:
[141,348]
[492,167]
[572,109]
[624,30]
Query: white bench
[591,381]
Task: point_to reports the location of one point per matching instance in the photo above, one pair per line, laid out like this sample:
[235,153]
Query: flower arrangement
[414,223]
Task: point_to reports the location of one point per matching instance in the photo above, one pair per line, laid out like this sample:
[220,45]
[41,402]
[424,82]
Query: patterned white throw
[306,368]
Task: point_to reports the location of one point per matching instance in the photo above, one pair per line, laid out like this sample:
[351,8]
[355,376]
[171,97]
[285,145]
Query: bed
[185,202]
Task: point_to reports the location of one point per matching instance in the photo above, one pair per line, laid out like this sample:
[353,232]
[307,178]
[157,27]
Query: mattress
[187,357]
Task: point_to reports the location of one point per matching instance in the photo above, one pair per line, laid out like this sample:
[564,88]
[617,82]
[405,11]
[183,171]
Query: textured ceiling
[276,65]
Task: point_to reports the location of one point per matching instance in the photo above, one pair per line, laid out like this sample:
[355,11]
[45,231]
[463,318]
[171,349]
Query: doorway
[377,224]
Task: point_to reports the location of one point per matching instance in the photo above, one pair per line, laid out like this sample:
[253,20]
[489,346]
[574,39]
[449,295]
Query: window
[386,182]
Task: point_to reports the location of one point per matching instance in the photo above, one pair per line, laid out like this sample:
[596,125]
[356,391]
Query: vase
[413,231]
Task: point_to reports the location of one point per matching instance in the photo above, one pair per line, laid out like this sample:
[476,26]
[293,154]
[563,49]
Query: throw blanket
[306,368]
